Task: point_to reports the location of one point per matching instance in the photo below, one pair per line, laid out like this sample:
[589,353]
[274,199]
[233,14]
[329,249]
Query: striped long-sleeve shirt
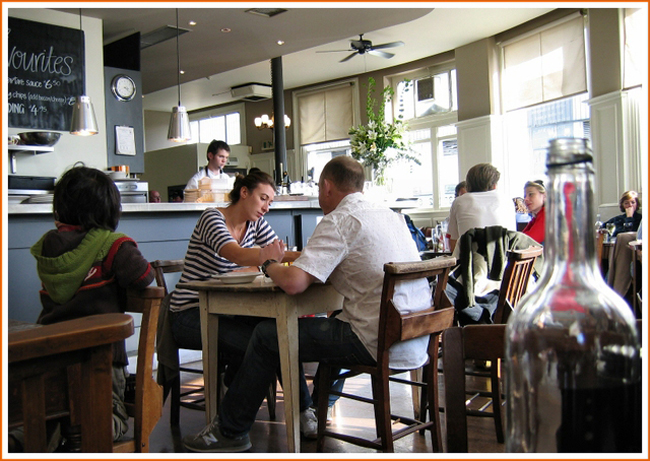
[202,260]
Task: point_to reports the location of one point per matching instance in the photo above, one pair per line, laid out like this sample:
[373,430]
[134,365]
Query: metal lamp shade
[84,122]
[179,125]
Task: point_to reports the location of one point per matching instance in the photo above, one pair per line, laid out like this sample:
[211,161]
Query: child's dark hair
[88,198]
[254,178]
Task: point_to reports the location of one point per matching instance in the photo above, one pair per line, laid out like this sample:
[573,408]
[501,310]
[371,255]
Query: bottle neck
[570,239]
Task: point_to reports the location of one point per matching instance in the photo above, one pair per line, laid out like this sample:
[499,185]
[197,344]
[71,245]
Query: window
[544,65]
[427,100]
[222,124]
[544,91]
[320,153]
[428,95]
[636,39]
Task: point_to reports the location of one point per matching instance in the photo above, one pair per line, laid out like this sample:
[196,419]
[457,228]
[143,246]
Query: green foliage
[378,144]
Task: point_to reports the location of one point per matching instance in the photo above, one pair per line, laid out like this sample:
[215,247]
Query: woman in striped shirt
[235,238]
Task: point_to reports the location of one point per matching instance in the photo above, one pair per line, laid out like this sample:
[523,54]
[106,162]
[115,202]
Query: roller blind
[636,52]
[325,115]
[545,65]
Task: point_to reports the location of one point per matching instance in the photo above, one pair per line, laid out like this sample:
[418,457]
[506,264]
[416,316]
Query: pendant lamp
[84,122]
[179,123]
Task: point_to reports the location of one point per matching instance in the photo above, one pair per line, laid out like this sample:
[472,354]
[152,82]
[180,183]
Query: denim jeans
[320,339]
[234,335]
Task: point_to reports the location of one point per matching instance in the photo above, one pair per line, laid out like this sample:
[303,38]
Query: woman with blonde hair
[535,198]
[629,221]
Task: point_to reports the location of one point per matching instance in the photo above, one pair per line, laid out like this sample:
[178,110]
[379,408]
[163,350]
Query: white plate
[238,277]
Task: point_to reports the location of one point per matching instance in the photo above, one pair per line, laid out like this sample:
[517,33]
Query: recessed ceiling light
[225,30]
[182,71]
[192,23]
[280,42]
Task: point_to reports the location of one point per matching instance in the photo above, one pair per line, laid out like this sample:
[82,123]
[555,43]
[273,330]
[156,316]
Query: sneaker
[211,440]
[309,423]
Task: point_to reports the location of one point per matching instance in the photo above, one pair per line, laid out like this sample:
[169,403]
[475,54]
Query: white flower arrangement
[378,143]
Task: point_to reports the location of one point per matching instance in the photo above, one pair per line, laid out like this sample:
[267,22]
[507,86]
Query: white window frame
[432,121]
[223,111]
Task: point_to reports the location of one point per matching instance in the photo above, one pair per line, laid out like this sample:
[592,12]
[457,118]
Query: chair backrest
[162,267]
[515,281]
[147,408]
[394,326]
[472,342]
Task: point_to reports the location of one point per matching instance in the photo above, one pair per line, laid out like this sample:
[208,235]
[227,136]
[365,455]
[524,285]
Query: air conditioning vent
[251,91]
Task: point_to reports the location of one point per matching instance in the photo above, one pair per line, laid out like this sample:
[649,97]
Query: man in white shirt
[349,247]
[482,206]
[218,153]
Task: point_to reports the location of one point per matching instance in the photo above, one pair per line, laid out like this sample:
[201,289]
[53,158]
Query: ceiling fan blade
[348,57]
[382,54]
[388,45]
[333,51]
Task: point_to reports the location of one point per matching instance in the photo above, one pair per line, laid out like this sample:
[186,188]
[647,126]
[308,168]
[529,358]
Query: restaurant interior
[489,83]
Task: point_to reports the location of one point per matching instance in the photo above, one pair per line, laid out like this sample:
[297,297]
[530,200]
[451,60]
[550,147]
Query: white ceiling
[214,61]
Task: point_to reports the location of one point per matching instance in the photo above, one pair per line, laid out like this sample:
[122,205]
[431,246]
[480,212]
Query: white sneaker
[309,423]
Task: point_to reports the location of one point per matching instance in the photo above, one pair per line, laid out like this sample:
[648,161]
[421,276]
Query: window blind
[325,115]
[545,65]
[635,52]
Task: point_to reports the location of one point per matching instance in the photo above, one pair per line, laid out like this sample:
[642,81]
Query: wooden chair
[146,409]
[394,327]
[513,286]
[472,342]
[515,280]
[191,398]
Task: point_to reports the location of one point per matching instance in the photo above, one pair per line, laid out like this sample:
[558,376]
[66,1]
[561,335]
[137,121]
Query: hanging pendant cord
[81,50]
[178,56]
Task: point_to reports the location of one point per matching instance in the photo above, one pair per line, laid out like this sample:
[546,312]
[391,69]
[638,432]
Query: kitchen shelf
[24,149]
[33,149]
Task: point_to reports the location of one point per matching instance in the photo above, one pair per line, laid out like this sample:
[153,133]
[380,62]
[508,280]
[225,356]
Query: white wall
[70,149]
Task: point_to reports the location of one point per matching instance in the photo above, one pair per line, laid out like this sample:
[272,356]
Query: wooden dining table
[64,369]
[260,298]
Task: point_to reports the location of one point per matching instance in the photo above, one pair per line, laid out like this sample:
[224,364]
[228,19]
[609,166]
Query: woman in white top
[482,206]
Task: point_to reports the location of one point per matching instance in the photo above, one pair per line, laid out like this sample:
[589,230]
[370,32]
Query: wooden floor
[270,436]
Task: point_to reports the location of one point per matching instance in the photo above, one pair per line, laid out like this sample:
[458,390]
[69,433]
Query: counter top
[44,208]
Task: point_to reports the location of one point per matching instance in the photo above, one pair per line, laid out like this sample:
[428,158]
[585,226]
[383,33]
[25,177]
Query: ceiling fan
[362,46]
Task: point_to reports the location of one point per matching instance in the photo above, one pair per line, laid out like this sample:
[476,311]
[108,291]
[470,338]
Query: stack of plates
[191,195]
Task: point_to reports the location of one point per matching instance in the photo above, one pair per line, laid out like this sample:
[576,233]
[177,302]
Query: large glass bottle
[572,351]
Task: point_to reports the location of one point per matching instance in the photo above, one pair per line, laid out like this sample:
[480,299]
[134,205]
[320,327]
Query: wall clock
[123,87]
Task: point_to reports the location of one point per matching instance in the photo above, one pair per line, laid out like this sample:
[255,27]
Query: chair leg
[381,396]
[496,399]
[175,404]
[324,385]
[416,394]
[271,397]
[433,404]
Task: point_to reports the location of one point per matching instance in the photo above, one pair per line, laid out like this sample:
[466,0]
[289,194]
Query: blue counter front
[161,230]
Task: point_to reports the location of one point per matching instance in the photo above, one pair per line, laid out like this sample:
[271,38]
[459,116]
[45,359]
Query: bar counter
[162,231]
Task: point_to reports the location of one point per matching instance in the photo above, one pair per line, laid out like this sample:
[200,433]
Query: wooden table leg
[287,326]
[210,341]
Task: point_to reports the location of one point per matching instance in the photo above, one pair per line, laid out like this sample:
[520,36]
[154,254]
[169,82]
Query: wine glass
[611,227]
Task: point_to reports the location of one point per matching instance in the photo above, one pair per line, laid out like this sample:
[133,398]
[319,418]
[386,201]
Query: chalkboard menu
[45,76]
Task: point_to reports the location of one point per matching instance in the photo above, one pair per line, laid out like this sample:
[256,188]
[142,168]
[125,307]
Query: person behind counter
[629,221]
[86,267]
[154,196]
[217,155]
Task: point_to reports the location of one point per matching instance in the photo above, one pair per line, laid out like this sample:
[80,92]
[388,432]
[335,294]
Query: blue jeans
[320,339]
[234,335]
